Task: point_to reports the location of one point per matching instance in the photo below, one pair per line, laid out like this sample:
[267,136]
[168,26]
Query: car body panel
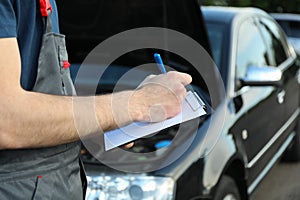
[86,24]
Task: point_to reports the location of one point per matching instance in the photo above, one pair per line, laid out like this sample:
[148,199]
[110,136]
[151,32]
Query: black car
[264,114]
[256,116]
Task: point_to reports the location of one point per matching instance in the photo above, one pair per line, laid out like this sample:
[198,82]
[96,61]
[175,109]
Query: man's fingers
[128,146]
[184,78]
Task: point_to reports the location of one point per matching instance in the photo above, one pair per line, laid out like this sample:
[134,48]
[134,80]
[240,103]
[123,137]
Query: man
[38,137]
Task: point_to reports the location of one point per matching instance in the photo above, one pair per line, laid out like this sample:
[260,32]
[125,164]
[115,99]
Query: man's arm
[30,120]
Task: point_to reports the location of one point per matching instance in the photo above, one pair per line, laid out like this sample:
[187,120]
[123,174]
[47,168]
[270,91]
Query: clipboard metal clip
[194,101]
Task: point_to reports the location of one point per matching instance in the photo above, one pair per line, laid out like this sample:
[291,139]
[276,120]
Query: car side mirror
[262,76]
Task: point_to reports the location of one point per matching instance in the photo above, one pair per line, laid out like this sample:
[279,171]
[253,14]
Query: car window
[275,41]
[251,49]
[292,28]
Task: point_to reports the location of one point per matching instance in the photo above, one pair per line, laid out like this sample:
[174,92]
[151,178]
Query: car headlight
[129,187]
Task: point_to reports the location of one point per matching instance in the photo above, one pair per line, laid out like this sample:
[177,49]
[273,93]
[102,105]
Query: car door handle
[281,97]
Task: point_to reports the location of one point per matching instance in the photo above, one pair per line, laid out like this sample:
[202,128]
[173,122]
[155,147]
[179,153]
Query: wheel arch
[236,170]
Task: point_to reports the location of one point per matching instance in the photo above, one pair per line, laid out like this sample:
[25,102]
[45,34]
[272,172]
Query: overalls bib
[47,173]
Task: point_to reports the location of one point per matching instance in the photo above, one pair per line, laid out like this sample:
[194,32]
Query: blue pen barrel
[160,63]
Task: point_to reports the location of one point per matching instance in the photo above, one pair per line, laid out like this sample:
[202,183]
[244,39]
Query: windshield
[216,39]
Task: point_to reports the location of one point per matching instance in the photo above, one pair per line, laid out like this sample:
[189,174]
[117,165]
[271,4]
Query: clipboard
[192,107]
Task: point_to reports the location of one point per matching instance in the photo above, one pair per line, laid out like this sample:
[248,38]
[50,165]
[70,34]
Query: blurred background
[291,6]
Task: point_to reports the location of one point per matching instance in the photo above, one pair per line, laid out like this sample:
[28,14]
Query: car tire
[293,153]
[227,189]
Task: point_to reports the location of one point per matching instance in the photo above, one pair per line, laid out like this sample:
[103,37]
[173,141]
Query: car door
[258,106]
[284,59]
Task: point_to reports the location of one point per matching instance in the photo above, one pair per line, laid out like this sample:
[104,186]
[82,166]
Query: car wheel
[227,189]
[293,153]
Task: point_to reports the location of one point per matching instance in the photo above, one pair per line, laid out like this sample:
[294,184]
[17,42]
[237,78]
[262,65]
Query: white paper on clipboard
[192,108]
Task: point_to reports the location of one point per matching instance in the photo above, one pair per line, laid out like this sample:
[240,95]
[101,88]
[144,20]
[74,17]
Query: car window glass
[291,28]
[251,49]
[284,25]
[294,29]
[274,40]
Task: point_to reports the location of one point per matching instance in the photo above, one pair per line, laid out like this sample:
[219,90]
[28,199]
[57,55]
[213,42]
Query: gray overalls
[48,173]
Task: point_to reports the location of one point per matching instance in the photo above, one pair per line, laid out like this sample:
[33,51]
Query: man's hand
[159,97]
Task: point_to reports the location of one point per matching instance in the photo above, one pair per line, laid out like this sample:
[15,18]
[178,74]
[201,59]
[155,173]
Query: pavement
[281,183]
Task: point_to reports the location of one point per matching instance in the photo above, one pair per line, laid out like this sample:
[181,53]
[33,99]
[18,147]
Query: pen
[160,63]
[163,70]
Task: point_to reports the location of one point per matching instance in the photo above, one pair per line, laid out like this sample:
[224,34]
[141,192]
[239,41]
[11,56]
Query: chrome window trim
[287,63]
[233,55]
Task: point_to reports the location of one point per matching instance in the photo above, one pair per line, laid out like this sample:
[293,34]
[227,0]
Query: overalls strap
[45,7]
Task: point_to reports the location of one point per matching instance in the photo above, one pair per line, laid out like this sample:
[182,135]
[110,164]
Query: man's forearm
[31,119]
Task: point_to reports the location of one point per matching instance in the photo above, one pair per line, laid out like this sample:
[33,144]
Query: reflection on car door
[279,53]
[259,105]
